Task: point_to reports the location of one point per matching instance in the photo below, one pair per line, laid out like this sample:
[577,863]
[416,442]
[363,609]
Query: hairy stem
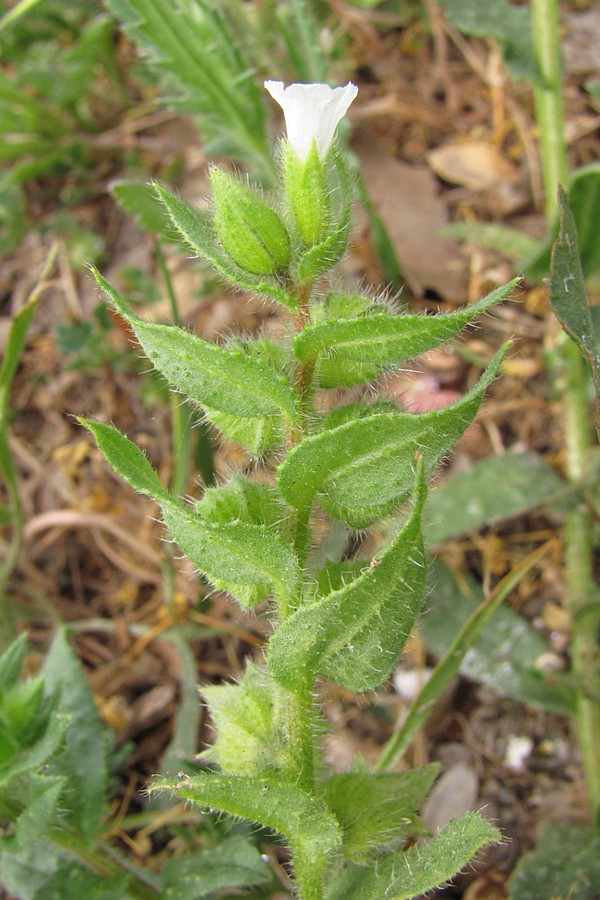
[300,709]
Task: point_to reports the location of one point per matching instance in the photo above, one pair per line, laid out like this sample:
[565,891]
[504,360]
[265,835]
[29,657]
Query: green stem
[180,413]
[180,429]
[579,567]
[548,101]
[578,524]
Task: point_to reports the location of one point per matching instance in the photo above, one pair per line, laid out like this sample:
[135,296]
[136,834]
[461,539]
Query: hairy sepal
[386,340]
[354,636]
[331,246]
[363,469]
[227,380]
[233,554]
[196,229]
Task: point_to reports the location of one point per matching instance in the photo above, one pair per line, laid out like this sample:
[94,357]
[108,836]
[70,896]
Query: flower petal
[312,112]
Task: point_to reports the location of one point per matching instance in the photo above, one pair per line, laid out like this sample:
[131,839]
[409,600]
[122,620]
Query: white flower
[312,111]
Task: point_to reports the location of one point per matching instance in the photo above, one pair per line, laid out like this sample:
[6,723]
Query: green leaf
[22,710]
[504,657]
[494,489]
[355,635]
[363,469]
[234,863]
[336,575]
[565,863]
[14,349]
[511,243]
[236,553]
[402,876]
[256,435]
[126,459]
[249,720]
[72,880]
[24,873]
[83,761]
[139,200]
[244,501]
[12,355]
[195,228]
[568,295]
[40,753]
[11,662]
[508,24]
[334,371]
[584,202]
[307,824]
[42,809]
[377,811]
[584,199]
[204,69]
[230,381]
[386,340]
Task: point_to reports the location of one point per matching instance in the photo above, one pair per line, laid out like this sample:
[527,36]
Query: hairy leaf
[402,876]
[386,340]
[39,753]
[11,662]
[83,761]
[251,739]
[307,824]
[363,469]
[355,635]
[42,809]
[255,434]
[244,501]
[73,880]
[126,459]
[493,489]
[230,381]
[565,863]
[377,811]
[203,67]
[139,200]
[236,553]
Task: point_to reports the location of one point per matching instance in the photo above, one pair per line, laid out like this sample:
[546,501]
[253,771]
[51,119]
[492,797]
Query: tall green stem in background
[548,100]
[578,540]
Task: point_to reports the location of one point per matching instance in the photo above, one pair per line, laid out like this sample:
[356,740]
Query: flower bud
[307,194]
[312,113]
[250,231]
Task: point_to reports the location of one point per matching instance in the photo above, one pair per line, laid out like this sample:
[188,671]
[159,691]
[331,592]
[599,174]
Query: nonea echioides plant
[363,463]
